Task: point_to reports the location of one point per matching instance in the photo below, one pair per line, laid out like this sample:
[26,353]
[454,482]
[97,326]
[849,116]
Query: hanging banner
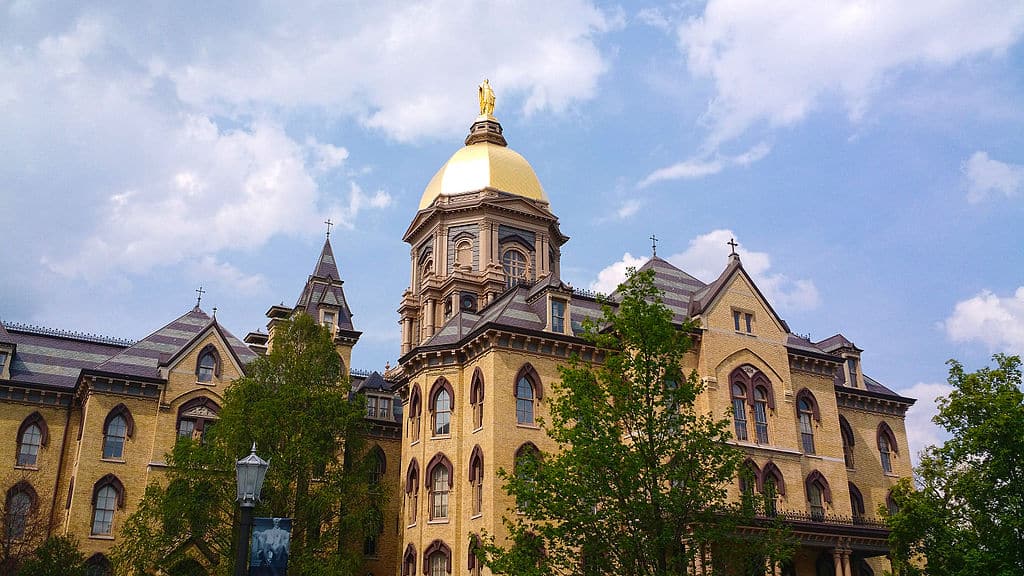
[271,542]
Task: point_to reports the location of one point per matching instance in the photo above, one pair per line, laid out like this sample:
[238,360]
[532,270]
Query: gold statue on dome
[486,99]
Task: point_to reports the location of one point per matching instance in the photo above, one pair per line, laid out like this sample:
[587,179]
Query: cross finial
[654,245]
[199,298]
[733,244]
[329,224]
[214,311]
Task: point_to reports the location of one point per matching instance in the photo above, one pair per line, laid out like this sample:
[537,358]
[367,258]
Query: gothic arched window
[476,398]
[846,431]
[739,410]
[414,412]
[441,407]
[437,559]
[412,490]
[856,503]
[761,414]
[196,417]
[439,477]
[208,365]
[476,479]
[377,466]
[116,430]
[818,493]
[32,435]
[20,504]
[107,496]
[886,446]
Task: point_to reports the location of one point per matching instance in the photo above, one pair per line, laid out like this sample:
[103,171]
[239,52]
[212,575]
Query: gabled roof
[677,287]
[833,343]
[55,358]
[145,358]
[324,287]
[5,337]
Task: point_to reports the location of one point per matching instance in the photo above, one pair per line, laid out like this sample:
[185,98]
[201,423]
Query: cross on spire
[329,224]
[733,244]
[654,245]
[199,298]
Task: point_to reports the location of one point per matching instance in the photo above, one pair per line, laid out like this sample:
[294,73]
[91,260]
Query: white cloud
[628,208]
[328,156]
[231,279]
[614,274]
[986,176]
[705,259]
[997,322]
[775,61]
[921,431]
[695,168]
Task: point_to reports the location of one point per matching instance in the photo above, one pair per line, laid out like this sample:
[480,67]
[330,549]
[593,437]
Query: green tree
[57,556]
[965,516]
[638,484]
[295,404]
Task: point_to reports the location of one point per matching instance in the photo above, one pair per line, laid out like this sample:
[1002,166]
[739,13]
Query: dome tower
[484,224]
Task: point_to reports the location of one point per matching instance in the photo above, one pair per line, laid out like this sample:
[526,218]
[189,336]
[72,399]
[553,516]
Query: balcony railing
[833,519]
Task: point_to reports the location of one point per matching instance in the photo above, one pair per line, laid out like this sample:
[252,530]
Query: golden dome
[484,164]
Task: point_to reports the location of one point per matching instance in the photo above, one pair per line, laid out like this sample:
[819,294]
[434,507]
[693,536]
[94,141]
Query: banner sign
[271,542]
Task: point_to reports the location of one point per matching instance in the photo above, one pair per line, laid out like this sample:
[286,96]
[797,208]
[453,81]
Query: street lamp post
[249,473]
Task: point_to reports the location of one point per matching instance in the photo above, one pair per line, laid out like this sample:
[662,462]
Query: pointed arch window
[208,365]
[739,410]
[473,562]
[441,407]
[33,434]
[378,466]
[409,561]
[846,431]
[476,398]
[527,460]
[806,411]
[412,490]
[98,565]
[437,559]
[886,446]
[528,391]
[439,477]
[415,404]
[476,479]
[818,493]
[856,504]
[21,504]
[772,487]
[107,496]
[761,414]
[750,477]
[197,417]
[118,427]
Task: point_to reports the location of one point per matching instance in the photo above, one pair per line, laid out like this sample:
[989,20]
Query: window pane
[113,442]
[207,365]
[29,449]
[186,428]
[103,515]
[761,421]
[557,316]
[739,415]
[442,413]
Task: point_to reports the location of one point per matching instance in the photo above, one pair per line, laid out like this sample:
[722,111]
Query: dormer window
[558,316]
[328,322]
[3,362]
[851,368]
[514,263]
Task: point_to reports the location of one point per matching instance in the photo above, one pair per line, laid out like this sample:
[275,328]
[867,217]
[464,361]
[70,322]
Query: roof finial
[733,244]
[486,98]
[654,246]
[329,224]
[214,312]
[199,298]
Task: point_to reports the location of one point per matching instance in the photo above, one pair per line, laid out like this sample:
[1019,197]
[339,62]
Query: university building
[486,320]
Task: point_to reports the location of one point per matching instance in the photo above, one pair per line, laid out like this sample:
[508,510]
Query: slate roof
[145,358]
[836,342]
[55,358]
[324,286]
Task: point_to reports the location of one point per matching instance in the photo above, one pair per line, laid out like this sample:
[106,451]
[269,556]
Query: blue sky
[868,156]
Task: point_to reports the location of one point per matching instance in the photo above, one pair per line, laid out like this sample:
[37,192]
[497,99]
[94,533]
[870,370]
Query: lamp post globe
[249,475]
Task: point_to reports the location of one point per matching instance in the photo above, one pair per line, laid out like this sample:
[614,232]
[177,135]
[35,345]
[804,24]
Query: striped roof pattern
[54,361]
[324,287]
[145,358]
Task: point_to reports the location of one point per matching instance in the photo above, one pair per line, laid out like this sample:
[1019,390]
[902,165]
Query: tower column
[430,317]
[486,257]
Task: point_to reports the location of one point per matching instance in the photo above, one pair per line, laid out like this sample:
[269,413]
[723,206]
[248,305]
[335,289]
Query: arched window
[464,253]
[526,461]
[761,414]
[208,365]
[409,561]
[473,563]
[528,389]
[32,435]
[20,505]
[98,565]
[437,559]
[806,410]
[476,398]
[856,504]
[772,488]
[890,504]
[107,496]
[818,493]
[412,490]
[117,428]
[750,477]
[439,478]
[476,479]
[377,466]
[514,263]
[739,410]
[414,412]
[441,407]
[886,446]
[846,431]
[196,417]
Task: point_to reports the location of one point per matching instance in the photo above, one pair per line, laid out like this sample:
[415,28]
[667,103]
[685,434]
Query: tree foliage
[294,403]
[57,556]
[639,481]
[965,516]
